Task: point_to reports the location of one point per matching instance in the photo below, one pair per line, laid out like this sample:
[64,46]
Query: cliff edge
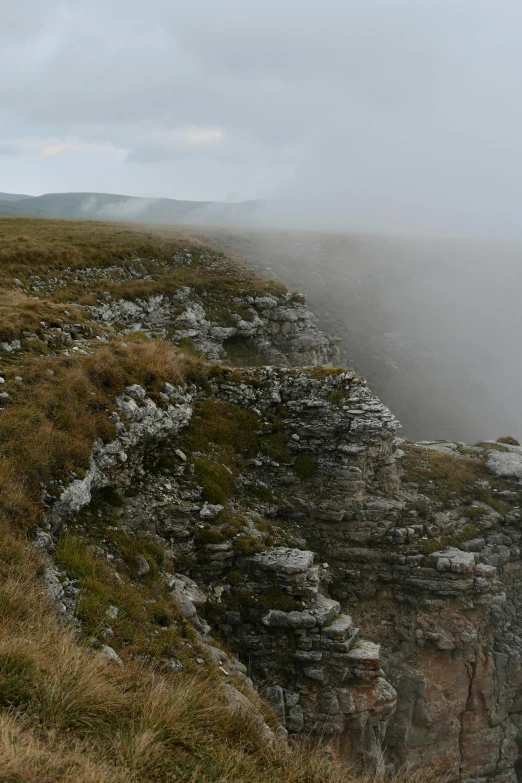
[218,508]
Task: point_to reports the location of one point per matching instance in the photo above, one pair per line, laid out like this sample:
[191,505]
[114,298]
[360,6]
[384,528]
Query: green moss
[215,479]
[260,492]
[275,446]
[305,466]
[474,512]
[131,548]
[246,545]
[225,425]
[337,396]
[467,533]
[233,577]
[207,536]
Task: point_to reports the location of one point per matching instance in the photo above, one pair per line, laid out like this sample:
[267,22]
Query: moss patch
[305,466]
[216,479]
[444,478]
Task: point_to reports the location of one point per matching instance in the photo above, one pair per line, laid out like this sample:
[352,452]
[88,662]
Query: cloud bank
[397,116]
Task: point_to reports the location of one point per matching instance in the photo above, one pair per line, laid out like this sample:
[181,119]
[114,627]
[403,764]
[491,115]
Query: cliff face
[369,587]
[413,587]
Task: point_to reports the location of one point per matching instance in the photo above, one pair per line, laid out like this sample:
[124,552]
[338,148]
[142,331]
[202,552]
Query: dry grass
[19,312]
[62,405]
[56,251]
[444,477]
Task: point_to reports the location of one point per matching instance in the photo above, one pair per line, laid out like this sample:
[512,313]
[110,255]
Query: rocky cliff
[367,587]
[375,610]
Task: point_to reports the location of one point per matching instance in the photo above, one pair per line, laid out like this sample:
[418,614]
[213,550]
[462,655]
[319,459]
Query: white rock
[210,511]
[53,584]
[136,392]
[109,654]
[505,464]
[286,561]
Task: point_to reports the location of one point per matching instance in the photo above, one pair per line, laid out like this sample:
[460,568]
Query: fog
[390,128]
[434,325]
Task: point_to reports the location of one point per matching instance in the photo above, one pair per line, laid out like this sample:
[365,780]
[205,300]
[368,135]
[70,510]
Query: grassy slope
[65,714]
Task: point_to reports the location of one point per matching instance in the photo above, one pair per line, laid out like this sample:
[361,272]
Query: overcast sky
[402,115]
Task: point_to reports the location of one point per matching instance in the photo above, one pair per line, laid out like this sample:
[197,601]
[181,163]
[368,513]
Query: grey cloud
[384,115]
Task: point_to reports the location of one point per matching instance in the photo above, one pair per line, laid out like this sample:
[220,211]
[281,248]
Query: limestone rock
[284,561]
[505,464]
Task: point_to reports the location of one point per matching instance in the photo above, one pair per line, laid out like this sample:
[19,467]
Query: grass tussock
[19,312]
[509,440]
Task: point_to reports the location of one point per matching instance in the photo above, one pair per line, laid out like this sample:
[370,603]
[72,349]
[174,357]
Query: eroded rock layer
[371,586]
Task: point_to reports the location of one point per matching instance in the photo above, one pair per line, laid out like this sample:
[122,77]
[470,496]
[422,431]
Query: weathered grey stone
[110,655]
[324,609]
[505,464]
[301,620]
[210,511]
[44,541]
[143,566]
[275,697]
[284,561]
[455,560]
[295,719]
[339,628]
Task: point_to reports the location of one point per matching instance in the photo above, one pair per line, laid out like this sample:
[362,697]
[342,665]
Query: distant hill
[20,208]
[109,206]
[13,197]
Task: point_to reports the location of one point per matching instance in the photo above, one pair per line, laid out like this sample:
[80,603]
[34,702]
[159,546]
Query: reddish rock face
[432,739]
[452,716]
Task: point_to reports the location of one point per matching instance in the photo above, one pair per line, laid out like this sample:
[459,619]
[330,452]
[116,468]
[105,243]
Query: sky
[400,116]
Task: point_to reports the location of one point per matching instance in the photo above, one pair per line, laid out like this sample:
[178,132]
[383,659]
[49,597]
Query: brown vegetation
[61,406]
[444,477]
[127,262]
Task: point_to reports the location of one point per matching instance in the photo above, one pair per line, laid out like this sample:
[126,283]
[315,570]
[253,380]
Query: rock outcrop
[371,586]
[280,329]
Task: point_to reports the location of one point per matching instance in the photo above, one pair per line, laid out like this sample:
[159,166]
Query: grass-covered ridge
[61,261]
